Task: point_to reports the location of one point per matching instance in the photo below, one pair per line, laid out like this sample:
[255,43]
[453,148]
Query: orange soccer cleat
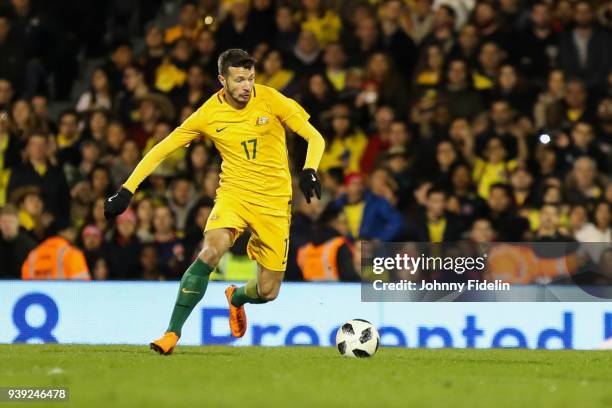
[237,317]
[165,345]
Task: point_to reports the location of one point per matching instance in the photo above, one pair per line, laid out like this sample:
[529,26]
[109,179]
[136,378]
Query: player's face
[238,84]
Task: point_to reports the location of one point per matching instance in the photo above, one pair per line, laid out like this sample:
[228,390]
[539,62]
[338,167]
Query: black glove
[117,203]
[310,184]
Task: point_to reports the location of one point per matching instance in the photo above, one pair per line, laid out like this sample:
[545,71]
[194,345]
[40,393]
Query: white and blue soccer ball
[357,338]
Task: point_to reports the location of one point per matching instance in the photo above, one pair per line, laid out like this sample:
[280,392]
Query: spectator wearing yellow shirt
[334,59]
[9,155]
[551,195]
[490,58]
[434,224]
[189,25]
[576,107]
[274,75]
[68,139]
[30,208]
[550,229]
[497,160]
[368,216]
[430,69]
[325,24]
[493,168]
[347,145]
[172,72]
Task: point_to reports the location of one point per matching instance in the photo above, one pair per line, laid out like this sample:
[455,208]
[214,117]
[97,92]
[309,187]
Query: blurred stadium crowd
[444,120]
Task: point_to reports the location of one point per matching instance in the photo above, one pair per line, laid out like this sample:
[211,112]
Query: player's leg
[193,285]
[268,246]
[195,280]
[236,298]
[261,290]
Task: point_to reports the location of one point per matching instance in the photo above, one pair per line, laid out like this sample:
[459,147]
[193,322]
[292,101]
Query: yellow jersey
[345,153]
[251,142]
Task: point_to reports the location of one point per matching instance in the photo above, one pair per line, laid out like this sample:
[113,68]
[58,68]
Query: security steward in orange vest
[552,256]
[329,256]
[56,258]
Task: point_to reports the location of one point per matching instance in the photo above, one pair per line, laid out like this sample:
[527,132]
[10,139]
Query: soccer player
[246,123]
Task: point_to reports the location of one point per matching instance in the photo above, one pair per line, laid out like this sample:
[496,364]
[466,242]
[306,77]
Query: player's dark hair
[234,57]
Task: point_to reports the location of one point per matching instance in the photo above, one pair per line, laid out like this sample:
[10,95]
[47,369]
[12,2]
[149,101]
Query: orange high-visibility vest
[519,264]
[320,262]
[55,258]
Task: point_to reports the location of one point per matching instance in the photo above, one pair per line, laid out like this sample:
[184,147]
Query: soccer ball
[357,338]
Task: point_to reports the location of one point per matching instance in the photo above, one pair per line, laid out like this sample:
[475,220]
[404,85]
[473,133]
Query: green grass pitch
[133,376]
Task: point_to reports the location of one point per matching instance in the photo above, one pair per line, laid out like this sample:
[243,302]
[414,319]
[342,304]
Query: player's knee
[268,292]
[210,255]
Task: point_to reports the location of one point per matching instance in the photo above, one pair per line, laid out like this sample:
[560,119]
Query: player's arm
[309,182]
[296,118]
[316,143]
[181,136]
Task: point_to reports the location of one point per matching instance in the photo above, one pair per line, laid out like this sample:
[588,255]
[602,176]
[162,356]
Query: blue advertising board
[303,314]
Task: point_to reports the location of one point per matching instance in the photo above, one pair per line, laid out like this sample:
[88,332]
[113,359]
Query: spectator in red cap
[368,215]
[123,251]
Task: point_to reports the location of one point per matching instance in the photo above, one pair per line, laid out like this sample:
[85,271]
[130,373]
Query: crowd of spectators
[444,120]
